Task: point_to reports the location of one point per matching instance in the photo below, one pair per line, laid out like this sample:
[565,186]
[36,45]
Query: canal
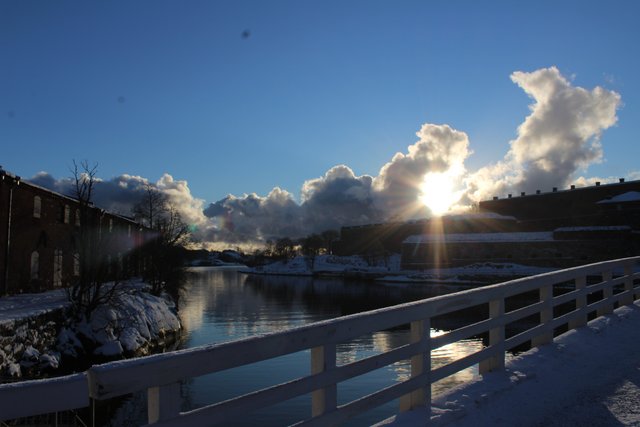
[222,304]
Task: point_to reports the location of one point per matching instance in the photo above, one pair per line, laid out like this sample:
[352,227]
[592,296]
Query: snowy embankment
[588,376]
[468,273]
[35,329]
[388,270]
[28,332]
[328,265]
[133,323]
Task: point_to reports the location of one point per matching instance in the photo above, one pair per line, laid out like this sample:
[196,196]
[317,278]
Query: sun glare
[438,192]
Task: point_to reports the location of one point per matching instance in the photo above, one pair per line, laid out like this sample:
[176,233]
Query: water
[222,305]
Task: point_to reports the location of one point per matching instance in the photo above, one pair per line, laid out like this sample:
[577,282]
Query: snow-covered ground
[586,377]
[131,325]
[302,266]
[462,274]
[18,307]
[388,270]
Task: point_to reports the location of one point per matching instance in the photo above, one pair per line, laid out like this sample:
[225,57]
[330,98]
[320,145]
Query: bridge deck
[590,376]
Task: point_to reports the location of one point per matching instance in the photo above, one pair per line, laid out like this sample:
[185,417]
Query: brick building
[40,237]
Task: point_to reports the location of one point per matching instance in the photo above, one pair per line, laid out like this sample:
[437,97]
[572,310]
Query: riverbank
[37,338]
[387,270]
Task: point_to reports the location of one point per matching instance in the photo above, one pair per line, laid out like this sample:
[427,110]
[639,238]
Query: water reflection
[221,305]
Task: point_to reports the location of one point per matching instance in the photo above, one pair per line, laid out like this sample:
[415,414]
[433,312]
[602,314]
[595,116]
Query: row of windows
[65,215]
[65,212]
[57,265]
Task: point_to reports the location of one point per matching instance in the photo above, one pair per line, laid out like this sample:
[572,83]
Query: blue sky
[149,87]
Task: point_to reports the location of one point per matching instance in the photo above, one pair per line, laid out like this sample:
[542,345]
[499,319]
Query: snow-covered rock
[130,325]
[35,329]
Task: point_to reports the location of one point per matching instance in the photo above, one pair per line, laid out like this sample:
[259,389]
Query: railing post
[420,363]
[546,316]
[607,293]
[163,402]
[581,305]
[628,286]
[496,339]
[323,358]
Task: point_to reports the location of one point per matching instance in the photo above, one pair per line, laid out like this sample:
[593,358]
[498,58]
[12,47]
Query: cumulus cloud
[559,138]
[252,218]
[121,193]
[340,197]
[399,185]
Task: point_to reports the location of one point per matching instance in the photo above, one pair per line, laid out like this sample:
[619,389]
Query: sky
[286,117]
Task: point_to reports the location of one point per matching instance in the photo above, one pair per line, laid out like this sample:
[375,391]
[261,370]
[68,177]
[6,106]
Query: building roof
[629,196]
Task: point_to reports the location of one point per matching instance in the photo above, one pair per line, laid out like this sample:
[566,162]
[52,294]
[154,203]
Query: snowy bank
[328,265]
[29,325]
[133,324]
[588,376]
[35,331]
[473,273]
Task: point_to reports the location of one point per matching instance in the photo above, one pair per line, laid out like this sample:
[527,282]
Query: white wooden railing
[161,374]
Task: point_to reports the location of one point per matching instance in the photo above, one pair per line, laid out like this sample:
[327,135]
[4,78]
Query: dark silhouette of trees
[311,247]
[329,237]
[92,287]
[284,248]
[163,254]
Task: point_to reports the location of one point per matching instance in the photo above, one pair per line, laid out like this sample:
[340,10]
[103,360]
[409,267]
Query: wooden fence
[558,301]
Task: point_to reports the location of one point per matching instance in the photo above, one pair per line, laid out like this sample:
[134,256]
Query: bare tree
[311,247]
[329,237]
[91,288]
[164,252]
[152,207]
[284,248]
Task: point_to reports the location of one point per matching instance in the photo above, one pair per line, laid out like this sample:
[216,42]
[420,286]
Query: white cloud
[559,138]
[398,186]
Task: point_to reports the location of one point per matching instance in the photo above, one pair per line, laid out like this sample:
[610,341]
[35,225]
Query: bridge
[559,301]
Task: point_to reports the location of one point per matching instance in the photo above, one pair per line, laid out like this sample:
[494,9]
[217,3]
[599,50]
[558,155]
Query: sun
[438,193]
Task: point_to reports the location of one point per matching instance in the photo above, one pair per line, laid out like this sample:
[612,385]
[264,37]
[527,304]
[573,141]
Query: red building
[40,237]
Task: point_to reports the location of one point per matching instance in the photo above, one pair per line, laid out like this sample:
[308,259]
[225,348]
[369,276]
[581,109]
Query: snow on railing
[607,284]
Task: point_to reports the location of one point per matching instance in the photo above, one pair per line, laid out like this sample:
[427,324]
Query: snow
[480,237]
[630,196]
[135,321]
[327,264]
[588,376]
[596,228]
[461,274]
[17,307]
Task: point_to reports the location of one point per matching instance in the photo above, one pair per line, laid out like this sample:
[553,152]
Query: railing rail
[161,374]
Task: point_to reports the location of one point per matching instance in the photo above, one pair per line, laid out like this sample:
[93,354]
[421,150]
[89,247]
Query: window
[76,264]
[129,230]
[35,265]
[77,217]
[67,214]
[110,225]
[37,206]
[57,268]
